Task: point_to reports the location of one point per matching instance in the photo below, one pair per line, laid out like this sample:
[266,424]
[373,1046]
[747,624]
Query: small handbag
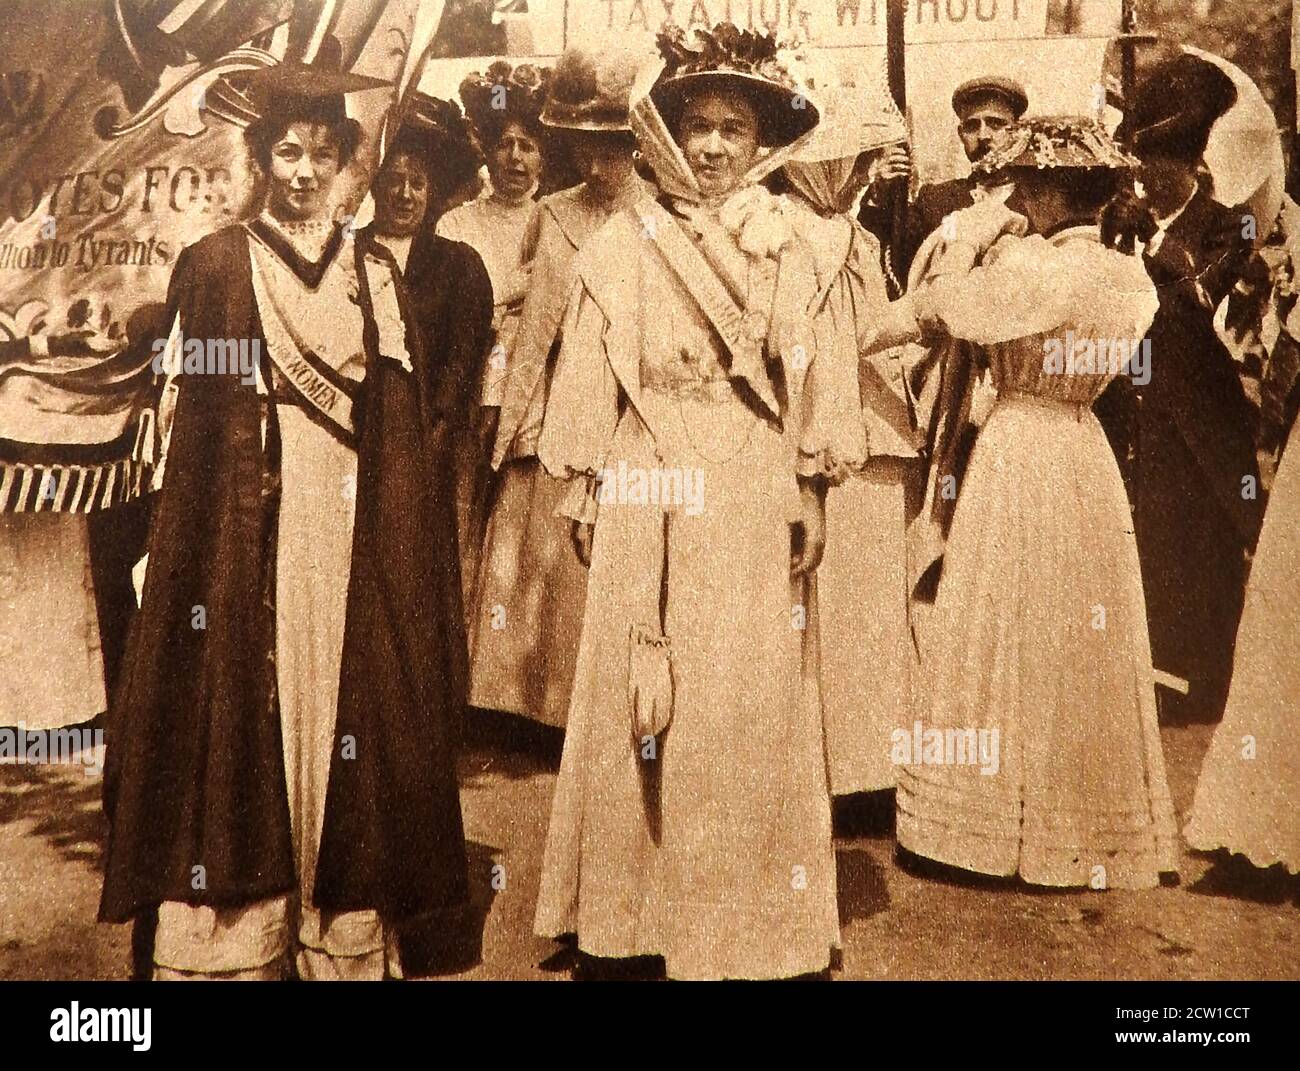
[650,667]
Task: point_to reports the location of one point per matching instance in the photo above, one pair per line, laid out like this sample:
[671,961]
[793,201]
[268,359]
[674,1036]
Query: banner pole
[896,67]
[1128,50]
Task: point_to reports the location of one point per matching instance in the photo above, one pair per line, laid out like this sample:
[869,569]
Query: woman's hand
[582,536]
[982,224]
[1126,220]
[808,555]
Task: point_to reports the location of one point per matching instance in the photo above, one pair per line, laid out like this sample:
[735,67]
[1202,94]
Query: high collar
[307,251]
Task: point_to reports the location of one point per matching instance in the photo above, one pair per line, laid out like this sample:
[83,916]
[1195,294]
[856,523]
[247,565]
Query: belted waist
[1076,409]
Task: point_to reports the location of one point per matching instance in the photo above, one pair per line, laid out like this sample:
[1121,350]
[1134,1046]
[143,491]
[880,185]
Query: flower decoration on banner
[729,48]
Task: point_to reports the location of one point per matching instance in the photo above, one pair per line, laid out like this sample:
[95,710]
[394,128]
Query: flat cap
[991,86]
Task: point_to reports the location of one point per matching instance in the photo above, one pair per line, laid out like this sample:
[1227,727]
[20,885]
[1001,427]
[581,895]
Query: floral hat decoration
[756,64]
[1056,142]
[505,94]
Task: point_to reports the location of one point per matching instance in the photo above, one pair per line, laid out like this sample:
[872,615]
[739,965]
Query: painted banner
[1055,48]
[120,144]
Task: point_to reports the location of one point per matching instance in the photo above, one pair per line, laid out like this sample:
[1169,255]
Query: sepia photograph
[522,491]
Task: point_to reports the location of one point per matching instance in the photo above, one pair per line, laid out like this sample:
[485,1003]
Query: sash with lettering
[324,393]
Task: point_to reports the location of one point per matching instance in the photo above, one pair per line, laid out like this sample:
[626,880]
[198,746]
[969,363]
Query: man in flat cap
[986,107]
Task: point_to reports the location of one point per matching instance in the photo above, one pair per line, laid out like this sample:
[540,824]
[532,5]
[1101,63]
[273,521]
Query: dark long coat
[195,773]
[1185,441]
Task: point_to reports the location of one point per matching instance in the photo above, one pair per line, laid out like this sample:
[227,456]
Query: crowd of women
[456,485]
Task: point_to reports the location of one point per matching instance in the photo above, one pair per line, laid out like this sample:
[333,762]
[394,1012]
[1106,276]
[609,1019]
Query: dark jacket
[195,773]
[933,202]
[1185,442]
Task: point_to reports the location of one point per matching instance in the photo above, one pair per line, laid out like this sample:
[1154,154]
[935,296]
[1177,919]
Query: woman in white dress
[531,587]
[503,106]
[695,417]
[1249,788]
[867,655]
[50,646]
[1038,752]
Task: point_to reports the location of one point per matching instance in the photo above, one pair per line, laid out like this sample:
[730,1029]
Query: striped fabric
[76,479]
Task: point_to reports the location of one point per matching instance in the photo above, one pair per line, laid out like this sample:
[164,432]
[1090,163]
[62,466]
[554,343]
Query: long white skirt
[528,606]
[1249,790]
[716,853]
[1042,671]
[53,671]
[313,564]
[867,656]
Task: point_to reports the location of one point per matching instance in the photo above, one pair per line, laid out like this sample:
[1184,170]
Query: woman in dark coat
[281,780]
[1186,436]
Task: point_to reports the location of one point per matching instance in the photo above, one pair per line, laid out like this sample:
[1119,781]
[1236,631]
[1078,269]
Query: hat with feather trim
[754,64]
[590,91]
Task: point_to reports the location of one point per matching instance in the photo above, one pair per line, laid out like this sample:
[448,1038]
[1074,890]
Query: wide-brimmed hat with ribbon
[754,64]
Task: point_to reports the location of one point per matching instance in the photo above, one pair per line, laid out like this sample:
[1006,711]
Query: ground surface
[896,923]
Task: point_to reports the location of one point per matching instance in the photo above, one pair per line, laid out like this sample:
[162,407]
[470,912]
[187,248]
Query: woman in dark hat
[429,163]
[530,579]
[696,416]
[1039,752]
[280,783]
[503,106]
[435,147]
[447,292]
[1186,436]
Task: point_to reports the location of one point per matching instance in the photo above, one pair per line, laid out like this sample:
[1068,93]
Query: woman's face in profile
[718,133]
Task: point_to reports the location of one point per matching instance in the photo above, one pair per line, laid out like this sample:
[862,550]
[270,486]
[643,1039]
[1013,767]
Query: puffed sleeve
[1024,288]
[1027,286]
[583,406]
